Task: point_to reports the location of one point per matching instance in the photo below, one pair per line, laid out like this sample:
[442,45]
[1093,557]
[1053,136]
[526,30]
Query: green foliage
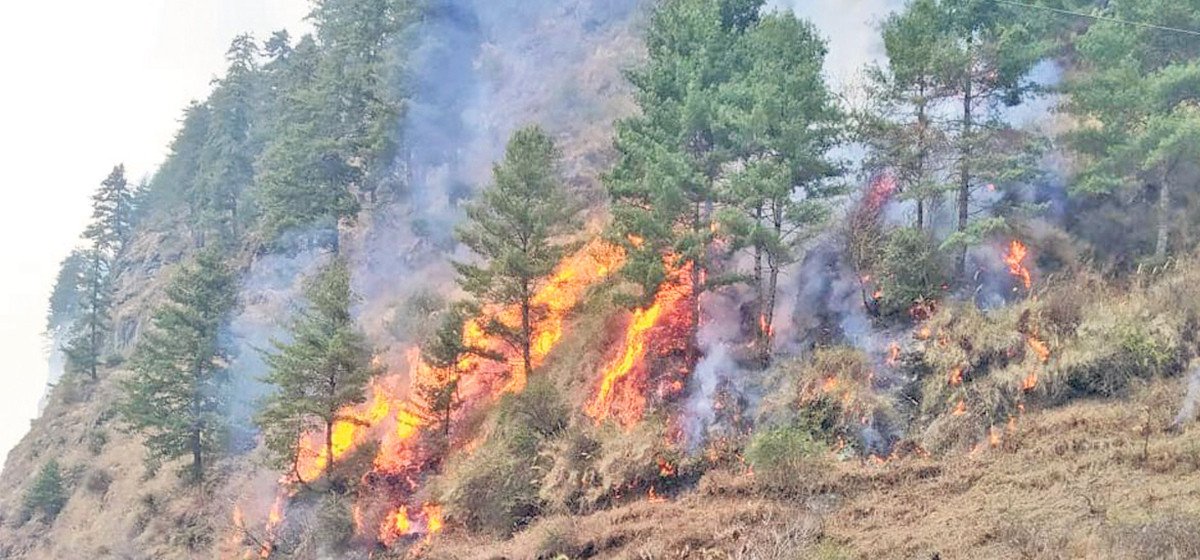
[66,299]
[514,227]
[90,331]
[48,494]
[910,271]
[335,523]
[781,122]
[786,459]
[176,397]
[495,489]
[1135,99]
[324,367]
[112,214]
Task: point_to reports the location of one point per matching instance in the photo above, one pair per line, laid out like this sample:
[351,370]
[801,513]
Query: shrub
[787,460]
[493,490]
[98,482]
[47,495]
[828,394]
[910,271]
[335,524]
[96,440]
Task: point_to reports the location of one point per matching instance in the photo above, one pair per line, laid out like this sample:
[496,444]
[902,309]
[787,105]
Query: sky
[87,85]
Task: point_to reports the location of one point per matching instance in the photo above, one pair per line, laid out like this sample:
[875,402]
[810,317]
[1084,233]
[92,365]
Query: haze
[88,85]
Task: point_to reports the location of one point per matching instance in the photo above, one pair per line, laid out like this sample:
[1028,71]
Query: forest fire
[1015,259]
[391,416]
[400,523]
[623,381]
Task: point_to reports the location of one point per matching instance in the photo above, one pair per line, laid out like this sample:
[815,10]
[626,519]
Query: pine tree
[66,300]
[227,168]
[47,495]
[784,123]
[671,156]
[176,396]
[901,128]
[994,48]
[112,214]
[514,227]
[324,367]
[90,331]
[448,356]
[1135,99]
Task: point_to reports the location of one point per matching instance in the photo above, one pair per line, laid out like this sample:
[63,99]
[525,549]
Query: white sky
[89,84]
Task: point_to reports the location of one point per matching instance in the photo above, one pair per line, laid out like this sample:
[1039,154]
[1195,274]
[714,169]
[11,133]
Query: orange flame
[621,394]
[400,523]
[960,409]
[893,357]
[388,406]
[1039,348]
[1015,258]
[1030,382]
[956,376]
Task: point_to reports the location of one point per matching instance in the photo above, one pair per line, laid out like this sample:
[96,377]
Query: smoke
[718,374]
[270,294]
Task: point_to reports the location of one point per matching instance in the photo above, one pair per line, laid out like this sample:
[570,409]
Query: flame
[621,394]
[960,409]
[956,376]
[1030,382]
[893,356]
[1039,347]
[388,404]
[274,521]
[433,518]
[830,384]
[1015,258]
[653,497]
[401,523]
[665,468]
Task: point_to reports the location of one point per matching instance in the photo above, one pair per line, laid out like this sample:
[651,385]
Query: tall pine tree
[324,367]
[783,122]
[516,226]
[176,395]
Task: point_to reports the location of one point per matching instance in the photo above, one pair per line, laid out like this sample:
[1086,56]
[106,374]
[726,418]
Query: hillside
[590,279]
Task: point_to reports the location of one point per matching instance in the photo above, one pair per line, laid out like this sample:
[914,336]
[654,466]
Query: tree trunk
[328,448]
[760,297]
[197,455]
[1164,214]
[964,185]
[527,332]
[922,155]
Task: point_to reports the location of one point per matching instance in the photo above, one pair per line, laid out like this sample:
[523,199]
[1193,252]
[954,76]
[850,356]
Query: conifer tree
[994,46]
[902,129]
[66,300]
[324,367]
[47,495]
[112,214]
[670,157]
[176,395]
[88,335]
[515,227]
[1136,100]
[784,123]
